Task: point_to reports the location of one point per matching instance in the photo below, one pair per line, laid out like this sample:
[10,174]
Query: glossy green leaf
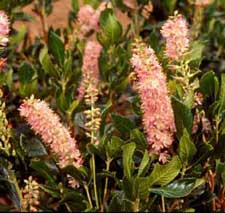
[209,84]
[222,93]
[46,63]
[111,27]
[183,117]
[128,151]
[187,148]
[178,188]
[56,47]
[164,174]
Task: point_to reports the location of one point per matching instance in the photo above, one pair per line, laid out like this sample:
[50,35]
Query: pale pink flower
[47,124]
[88,18]
[90,68]
[132,4]
[175,32]
[203,3]
[4,28]
[158,117]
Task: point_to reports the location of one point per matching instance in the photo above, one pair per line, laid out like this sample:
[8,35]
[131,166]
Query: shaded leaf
[187,148]
[163,174]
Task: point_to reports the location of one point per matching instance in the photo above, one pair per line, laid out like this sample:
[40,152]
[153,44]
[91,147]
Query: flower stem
[94,180]
[88,194]
[136,205]
[163,204]
[106,185]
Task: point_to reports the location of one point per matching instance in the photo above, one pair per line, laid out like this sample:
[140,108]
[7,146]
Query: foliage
[119,173]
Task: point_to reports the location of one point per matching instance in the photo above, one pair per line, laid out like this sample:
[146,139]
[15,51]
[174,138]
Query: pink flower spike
[175,32]
[158,117]
[47,124]
[4,28]
[90,68]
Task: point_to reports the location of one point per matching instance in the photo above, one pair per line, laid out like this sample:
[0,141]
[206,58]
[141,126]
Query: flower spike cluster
[88,18]
[175,32]
[4,28]
[4,34]
[158,117]
[47,124]
[90,68]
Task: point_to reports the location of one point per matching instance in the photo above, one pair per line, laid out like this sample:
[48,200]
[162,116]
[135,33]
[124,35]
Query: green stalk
[106,185]
[163,204]
[88,194]
[136,205]
[94,180]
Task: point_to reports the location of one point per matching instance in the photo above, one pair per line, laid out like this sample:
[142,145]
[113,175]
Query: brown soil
[57,19]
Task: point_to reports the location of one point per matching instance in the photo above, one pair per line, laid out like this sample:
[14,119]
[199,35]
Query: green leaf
[142,187]
[56,46]
[75,5]
[138,137]
[163,174]
[78,174]
[144,163]
[183,117]
[196,51]
[46,63]
[53,191]
[44,170]
[187,148]
[112,29]
[128,151]
[220,172]
[123,124]
[17,38]
[114,147]
[222,93]
[34,148]
[26,73]
[178,188]
[209,84]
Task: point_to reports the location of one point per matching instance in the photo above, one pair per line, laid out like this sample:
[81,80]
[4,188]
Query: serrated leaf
[178,188]
[163,174]
[187,148]
[183,117]
[128,151]
[56,46]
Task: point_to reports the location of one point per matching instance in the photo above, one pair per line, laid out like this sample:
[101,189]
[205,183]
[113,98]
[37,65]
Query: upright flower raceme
[88,18]
[47,124]
[90,68]
[4,28]
[175,32]
[158,117]
[4,33]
